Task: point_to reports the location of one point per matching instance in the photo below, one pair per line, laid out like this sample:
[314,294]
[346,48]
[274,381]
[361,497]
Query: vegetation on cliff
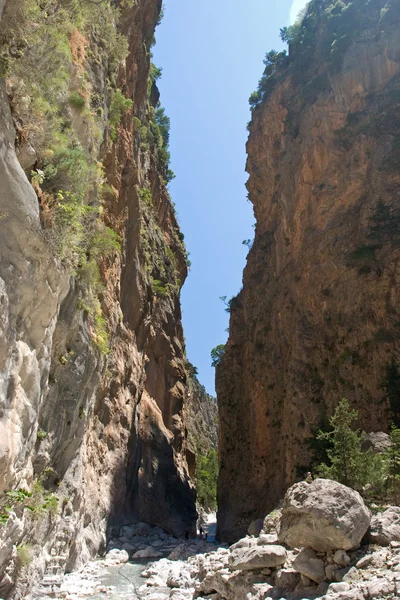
[324,28]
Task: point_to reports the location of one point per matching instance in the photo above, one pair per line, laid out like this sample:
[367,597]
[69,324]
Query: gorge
[102,417]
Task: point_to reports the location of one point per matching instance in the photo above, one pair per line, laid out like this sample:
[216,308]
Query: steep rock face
[96,437]
[318,316]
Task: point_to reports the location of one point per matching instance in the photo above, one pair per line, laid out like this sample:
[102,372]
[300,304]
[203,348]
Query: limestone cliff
[318,317]
[93,374]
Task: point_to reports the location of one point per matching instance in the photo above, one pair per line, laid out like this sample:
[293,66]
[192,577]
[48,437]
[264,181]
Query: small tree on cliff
[217,354]
[349,463]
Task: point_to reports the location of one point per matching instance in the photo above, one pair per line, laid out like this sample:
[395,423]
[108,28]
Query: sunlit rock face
[318,316]
[103,432]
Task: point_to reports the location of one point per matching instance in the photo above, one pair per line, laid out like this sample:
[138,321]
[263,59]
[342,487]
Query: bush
[206,479]
[348,462]
[24,555]
[118,107]
[77,101]
[217,354]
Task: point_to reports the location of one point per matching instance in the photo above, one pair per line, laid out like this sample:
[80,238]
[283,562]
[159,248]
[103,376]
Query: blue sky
[211,54]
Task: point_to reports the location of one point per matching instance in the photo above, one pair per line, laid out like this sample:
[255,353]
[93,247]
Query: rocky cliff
[318,316]
[93,373]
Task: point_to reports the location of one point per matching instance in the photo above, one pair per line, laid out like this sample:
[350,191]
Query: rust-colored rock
[106,433]
[318,317]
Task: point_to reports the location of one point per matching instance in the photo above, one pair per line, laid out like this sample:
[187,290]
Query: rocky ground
[324,543]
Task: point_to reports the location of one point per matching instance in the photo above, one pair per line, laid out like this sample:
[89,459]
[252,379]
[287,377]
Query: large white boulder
[257,557]
[323,515]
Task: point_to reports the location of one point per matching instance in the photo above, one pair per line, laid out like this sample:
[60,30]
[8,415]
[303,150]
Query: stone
[364,561]
[181,594]
[261,591]
[324,515]
[381,588]
[27,156]
[272,522]
[339,587]
[341,558]
[377,441]
[330,571]
[307,563]
[287,578]
[256,527]
[385,527]
[267,538]
[340,573]
[351,575]
[258,557]
[246,542]
[116,557]
[148,552]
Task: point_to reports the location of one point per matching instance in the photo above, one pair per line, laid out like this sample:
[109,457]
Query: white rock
[341,558]
[338,587]
[324,515]
[307,563]
[330,571]
[246,542]
[148,552]
[267,538]
[364,562]
[287,578]
[385,527]
[116,557]
[381,588]
[258,557]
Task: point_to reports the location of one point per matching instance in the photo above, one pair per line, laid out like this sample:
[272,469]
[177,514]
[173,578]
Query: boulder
[116,557]
[257,557]
[308,564]
[267,538]
[377,441]
[256,527]
[339,587]
[272,522]
[341,558]
[246,542]
[148,552]
[323,515]
[381,588]
[287,578]
[385,527]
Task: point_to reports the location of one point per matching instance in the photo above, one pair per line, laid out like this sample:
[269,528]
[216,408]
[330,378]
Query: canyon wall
[93,373]
[318,317]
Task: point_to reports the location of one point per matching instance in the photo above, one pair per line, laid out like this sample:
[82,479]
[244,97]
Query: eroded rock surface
[320,298]
[323,515]
[97,436]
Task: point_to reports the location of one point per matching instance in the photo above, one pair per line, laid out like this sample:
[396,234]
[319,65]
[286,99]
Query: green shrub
[24,555]
[41,434]
[118,107]
[348,462]
[206,479]
[159,288]
[76,100]
[146,196]
[216,354]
